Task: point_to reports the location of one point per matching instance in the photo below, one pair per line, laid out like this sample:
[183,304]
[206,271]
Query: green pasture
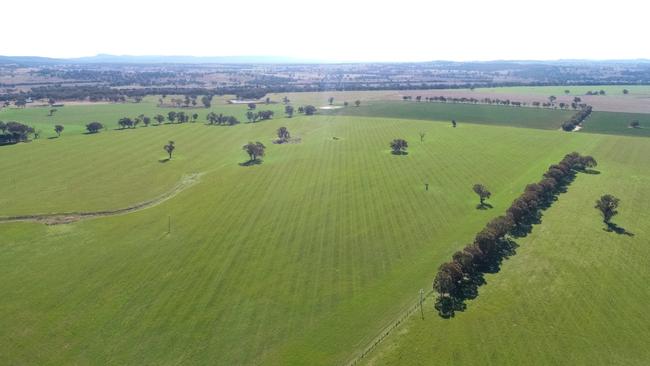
[617,123]
[304,258]
[573,294]
[548,119]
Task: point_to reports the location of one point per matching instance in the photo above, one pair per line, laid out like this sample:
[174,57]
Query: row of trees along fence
[460,278]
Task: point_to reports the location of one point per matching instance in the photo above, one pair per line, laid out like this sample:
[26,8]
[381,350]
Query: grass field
[75,117]
[305,258]
[547,119]
[574,294]
[618,123]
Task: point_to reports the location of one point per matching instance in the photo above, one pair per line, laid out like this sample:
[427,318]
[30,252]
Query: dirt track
[68,217]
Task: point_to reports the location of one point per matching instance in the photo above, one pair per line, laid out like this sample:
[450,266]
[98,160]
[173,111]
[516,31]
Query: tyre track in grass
[70,217]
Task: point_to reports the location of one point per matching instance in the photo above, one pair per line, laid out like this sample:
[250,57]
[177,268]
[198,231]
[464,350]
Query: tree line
[575,104]
[259,115]
[460,278]
[14,132]
[577,119]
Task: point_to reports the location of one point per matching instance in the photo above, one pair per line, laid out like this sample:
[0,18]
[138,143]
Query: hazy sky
[350,30]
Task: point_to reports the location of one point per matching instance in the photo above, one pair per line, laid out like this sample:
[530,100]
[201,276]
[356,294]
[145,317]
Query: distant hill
[127,59]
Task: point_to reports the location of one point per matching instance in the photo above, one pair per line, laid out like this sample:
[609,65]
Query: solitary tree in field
[195,116]
[169,148]
[51,112]
[283,134]
[567,91]
[607,206]
[357,102]
[254,150]
[422,136]
[252,106]
[330,100]
[289,111]
[94,127]
[625,91]
[453,123]
[635,124]
[482,193]
[399,146]
[159,118]
[267,100]
[285,100]
[552,99]
[345,104]
[58,129]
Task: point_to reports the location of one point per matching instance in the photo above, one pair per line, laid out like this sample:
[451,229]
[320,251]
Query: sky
[334,30]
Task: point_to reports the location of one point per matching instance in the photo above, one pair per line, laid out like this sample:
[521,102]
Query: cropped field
[618,123]
[547,119]
[579,90]
[637,101]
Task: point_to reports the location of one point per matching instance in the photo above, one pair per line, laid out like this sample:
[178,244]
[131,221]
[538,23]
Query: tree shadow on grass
[53,137]
[484,206]
[399,152]
[164,160]
[612,227]
[251,162]
[591,171]
[449,304]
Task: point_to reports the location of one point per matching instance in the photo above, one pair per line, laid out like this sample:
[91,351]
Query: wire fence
[388,329]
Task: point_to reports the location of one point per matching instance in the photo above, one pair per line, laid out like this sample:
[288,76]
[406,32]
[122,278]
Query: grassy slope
[463,113]
[302,259]
[617,123]
[573,294]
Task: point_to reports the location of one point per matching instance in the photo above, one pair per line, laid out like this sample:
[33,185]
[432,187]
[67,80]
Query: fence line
[388,329]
